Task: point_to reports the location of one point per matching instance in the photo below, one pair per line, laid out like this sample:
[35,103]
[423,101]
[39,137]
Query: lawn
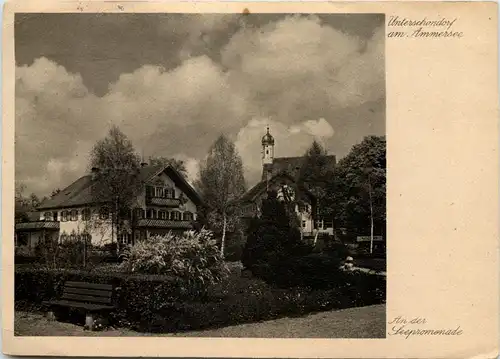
[362,322]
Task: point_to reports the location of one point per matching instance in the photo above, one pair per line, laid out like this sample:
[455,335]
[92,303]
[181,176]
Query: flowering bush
[192,257]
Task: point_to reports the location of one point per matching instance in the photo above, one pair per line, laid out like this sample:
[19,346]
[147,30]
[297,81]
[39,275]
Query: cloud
[300,76]
[320,128]
[53,130]
[298,68]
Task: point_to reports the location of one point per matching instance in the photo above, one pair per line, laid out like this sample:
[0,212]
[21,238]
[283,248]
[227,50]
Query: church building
[279,174]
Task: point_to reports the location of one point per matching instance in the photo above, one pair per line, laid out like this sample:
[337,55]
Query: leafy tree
[23,203]
[177,164]
[221,182]
[117,181]
[314,175]
[359,189]
[271,237]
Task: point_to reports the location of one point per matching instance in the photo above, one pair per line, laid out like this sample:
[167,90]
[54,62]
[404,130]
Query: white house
[167,202]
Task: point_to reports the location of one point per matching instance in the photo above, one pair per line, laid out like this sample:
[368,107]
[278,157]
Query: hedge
[163,304]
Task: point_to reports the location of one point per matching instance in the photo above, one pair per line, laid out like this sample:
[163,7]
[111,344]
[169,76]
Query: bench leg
[51,315]
[89,321]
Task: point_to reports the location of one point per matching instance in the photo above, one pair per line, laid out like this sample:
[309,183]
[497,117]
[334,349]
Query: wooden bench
[88,297]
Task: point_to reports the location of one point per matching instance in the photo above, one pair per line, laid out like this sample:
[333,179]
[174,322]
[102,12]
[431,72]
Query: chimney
[95,172]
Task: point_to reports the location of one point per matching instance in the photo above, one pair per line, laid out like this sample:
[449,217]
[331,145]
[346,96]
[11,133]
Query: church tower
[267,155]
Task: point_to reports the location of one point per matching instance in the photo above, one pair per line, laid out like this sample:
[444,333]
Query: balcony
[33,226]
[164,202]
[164,223]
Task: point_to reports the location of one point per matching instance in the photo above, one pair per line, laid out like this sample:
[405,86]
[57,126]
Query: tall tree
[271,237]
[117,180]
[179,165]
[359,192]
[314,175]
[221,182]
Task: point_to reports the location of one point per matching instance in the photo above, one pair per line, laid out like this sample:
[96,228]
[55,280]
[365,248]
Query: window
[86,214]
[159,192]
[151,213]
[187,216]
[124,238]
[22,239]
[86,237]
[64,216]
[162,214]
[139,213]
[169,193]
[54,216]
[304,224]
[176,215]
[103,213]
[74,215]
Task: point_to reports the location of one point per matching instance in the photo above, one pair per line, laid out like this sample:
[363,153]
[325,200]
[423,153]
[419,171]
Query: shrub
[71,253]
[337,249]
[156,303]
[318,271]
[272,236]
[192,257]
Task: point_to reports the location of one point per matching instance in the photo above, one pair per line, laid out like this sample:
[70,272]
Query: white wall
[100,230]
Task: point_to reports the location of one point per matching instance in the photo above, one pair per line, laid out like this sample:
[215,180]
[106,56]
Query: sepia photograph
[200,175]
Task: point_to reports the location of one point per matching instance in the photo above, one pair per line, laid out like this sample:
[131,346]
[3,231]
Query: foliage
[159,304]
[24,203]
[117,181]
[221,183]
[271,237]
[192,257]
[315,173]
[360,180]
[317,271]
[71,253]
[179,165]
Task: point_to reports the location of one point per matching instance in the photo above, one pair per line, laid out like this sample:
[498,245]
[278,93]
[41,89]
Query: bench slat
[92,292]
[86,298]
[89,285]
[67,303]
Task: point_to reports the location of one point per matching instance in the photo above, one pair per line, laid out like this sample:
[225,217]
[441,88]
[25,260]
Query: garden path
[362,322]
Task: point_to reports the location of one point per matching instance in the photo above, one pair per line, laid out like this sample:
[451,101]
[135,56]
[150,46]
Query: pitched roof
[261,187]
[79,192]
[292,165]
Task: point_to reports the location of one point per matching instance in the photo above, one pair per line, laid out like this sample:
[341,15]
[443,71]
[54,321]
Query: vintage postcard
[232,179]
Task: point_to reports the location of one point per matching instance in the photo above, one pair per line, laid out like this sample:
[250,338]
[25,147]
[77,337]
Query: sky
[174,82]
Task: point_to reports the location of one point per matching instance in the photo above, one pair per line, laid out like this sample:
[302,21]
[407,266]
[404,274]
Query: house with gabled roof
[166,202]
[279,175]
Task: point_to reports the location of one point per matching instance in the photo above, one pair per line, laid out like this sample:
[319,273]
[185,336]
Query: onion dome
[267,139]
